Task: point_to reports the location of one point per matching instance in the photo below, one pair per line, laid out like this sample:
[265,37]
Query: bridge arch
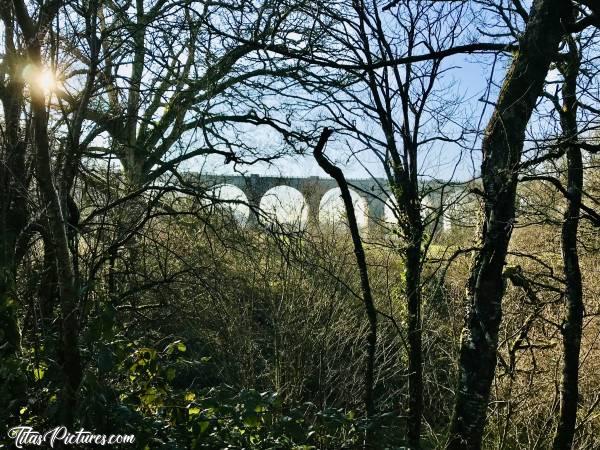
[285,205]
[232,200]
[332,210]
[390,217]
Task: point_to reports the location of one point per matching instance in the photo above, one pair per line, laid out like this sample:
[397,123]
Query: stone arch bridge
[372,191]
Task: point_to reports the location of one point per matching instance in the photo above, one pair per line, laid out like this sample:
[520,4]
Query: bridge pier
[313,190]
[254,189]
[375,212]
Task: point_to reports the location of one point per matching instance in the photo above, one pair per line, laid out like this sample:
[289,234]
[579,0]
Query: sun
[42,78]
[47,80]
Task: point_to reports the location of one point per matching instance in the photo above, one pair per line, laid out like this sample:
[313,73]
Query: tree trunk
[361,262]
[502,146]
[413,297]
[13,219]
[57,220]
[572,325]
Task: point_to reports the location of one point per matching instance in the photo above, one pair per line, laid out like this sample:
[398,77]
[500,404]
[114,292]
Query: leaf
[194,411]
[171,372]
[146,354]
[251,420]
[149,396]
[180,346]
[39,371]
[204,424]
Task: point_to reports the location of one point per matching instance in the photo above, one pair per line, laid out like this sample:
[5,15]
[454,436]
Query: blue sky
[469,74]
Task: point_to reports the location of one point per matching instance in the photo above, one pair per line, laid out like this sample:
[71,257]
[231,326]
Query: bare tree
[164,98]
[502,146]
[568,146]
[572,325]
[388,105]
[14,182]
[337,174]
[34,30]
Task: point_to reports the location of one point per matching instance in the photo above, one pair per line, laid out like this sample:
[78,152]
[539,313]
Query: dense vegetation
[134,301]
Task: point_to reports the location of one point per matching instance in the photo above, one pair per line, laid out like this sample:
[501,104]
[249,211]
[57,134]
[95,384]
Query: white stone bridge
[370,195]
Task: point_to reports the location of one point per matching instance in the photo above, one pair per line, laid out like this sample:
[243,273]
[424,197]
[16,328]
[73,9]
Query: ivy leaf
[39,371]
[204,424]
[150,396]
[251,420]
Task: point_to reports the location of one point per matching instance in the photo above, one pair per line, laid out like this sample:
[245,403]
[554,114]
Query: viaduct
[372,191]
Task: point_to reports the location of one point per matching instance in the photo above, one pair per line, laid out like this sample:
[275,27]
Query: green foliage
[223,417]
[148,403]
